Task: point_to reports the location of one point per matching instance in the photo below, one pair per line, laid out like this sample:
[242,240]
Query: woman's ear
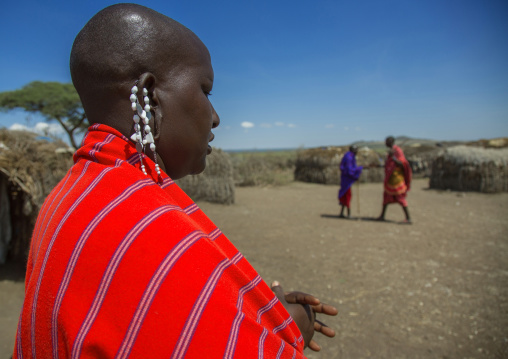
[147,80]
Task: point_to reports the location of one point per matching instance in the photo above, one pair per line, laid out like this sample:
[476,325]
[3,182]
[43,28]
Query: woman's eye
[207,93]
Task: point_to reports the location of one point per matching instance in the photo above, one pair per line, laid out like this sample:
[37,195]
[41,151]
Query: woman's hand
[302,314]
[307,301]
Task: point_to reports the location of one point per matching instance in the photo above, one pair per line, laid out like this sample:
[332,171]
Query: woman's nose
[215,118]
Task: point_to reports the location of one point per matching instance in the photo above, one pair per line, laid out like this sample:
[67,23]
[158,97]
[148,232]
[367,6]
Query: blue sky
[309,73]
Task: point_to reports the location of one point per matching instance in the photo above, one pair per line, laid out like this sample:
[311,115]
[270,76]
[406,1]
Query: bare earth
[435,289]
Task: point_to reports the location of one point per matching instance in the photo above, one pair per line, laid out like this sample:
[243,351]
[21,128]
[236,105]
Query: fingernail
[275,283]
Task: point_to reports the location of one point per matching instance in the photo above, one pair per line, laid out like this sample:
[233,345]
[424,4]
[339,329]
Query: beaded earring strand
[136,137]
[142,138]
[149,137]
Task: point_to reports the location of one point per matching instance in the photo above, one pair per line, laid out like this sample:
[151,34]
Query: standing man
[397,179]
[349,173]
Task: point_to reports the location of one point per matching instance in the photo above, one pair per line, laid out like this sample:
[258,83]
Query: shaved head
[120,43]
[126,45]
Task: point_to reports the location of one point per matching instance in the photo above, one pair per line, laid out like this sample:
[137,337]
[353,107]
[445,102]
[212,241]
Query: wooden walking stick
[358,196]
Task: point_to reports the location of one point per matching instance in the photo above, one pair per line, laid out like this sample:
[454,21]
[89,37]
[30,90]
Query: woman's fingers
[324,308]
[301,298]
[323,329]
[314,346]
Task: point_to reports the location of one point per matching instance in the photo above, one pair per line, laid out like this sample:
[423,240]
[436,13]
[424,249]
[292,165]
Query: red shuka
[391,166]
[397,180]
[126,265]
[345,200]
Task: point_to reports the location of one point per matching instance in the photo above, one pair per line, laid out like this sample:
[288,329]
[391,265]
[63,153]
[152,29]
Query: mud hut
[322,165]
[463,168]
[215,184]
[30,166]
[421,156]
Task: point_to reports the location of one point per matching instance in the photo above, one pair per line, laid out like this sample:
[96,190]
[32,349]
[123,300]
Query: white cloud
[18,127]
[346,128]
[329,125]
[40,128]
[247,125]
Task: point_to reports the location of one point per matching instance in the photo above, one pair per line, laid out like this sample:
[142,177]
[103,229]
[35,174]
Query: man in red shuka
[397,179]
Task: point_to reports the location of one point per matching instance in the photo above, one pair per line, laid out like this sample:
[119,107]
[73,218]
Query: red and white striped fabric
[126,265]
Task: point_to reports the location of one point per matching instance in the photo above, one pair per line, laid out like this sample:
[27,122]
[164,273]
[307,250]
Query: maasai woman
[122,262]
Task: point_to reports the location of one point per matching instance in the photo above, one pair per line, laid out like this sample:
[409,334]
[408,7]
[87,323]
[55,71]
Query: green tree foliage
[54,100]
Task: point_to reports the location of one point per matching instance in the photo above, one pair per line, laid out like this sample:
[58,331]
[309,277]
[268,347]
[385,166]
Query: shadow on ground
[352,218]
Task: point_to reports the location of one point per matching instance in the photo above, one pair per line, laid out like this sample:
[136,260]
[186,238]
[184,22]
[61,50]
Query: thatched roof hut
[322,165]
[215,184]
[501,142]
[263,168]
[463,168]
[29,169]
[421,156]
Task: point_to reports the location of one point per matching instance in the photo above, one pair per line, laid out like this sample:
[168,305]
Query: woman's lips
[212,136]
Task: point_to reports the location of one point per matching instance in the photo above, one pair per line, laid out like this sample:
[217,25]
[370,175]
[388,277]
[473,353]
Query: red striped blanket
[397,180]
[126,265]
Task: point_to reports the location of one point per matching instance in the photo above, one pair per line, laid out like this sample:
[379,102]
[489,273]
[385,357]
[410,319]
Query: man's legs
[341,215]
[382,216]
[345,201]
[406,212]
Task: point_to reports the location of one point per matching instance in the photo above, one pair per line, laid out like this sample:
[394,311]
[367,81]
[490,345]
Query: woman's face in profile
[188,115]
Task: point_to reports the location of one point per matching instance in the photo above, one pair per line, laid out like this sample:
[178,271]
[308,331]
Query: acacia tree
[54,100]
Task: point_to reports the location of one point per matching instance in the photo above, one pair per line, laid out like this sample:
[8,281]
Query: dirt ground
[435,289]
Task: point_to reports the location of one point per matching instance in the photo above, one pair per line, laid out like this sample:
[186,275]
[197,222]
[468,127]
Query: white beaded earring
[148,139]
[142,116]
[136,137]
